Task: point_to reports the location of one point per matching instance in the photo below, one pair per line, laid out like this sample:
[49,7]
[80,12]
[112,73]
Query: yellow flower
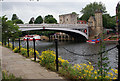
[90,63]
[99,76]
[114,78]
[106,76]
[95,77]
[116,71]
[95,72]
[110,73]
[86,71]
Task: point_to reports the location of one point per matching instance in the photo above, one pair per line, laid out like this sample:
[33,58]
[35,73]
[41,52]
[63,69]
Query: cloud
[26,10]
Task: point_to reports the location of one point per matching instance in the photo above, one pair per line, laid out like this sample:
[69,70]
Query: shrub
[10,45]
[23,51]
[0,43]
[78,71]
[31,52]
[16,49]
[47,57]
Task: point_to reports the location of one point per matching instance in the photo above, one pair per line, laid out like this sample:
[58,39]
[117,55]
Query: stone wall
[68,19]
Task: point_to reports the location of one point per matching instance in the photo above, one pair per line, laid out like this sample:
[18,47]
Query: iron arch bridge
[78,31]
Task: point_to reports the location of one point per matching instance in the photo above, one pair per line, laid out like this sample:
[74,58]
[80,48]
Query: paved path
[21,66]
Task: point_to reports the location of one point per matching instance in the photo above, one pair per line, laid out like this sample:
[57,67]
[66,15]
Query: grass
[9,77]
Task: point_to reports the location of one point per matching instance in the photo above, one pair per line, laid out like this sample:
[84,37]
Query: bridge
[78,31]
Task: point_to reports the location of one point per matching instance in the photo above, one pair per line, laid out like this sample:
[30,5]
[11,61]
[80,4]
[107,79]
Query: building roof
[92,17]
[67,14]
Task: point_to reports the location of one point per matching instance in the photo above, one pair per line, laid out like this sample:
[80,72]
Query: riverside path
[25,68]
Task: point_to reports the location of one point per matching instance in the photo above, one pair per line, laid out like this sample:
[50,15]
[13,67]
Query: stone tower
[98,17]
[99,22]
[95,24]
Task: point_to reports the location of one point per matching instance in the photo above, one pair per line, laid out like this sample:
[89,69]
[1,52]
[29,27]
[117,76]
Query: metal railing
[54,25]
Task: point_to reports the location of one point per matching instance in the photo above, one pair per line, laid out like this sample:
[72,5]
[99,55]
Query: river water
[78,49]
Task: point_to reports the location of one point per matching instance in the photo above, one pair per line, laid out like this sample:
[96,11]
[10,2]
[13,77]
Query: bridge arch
[78,35]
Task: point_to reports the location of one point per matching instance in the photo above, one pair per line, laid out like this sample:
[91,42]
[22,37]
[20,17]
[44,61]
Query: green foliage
[9,29]
[9,77]
[16,50]
[31,21]
[14,17]
[103,60]
[90,9]
[38,20]
[23,51]
[50,19]
[118,15]
[74,13]
[78,71]
[108,21]
[16,20]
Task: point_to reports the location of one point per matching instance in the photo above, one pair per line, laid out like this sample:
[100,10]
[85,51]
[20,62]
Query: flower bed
[78,71]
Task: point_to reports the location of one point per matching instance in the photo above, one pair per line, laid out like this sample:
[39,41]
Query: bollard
[8,42]
[34,49]
[19,45]
[56,46]
[27,47]
[118,46]
[12,43]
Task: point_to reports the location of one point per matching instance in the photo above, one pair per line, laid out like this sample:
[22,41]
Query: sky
[26,9]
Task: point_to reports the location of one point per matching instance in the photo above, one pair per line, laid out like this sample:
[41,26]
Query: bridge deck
[54,25]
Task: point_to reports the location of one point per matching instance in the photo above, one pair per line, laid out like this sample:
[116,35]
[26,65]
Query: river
[77,48]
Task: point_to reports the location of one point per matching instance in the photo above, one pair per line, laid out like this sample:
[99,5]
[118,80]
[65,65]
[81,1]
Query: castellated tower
[95,24]
[99,22]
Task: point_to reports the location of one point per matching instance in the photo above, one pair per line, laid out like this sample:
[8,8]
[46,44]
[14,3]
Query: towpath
[25,68]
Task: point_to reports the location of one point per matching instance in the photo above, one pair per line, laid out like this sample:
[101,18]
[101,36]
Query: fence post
[5,42]
[34,49]
[12,43]
[118,46]
[2,42]
[56,46]
[19,45]
[27,47]
[8,42]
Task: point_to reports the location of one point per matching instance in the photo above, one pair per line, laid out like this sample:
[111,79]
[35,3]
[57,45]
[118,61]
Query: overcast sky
[25,9]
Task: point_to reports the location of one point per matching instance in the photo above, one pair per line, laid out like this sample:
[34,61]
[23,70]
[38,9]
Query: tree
[74,13]
[31,20]
[90,9]
[16,20]
[49,19]
[108,21]
[14,17]
[38,20]
[9,29]
[118,16]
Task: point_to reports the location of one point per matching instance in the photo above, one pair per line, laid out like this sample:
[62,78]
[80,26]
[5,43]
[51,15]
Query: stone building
[68,18]
[95,24]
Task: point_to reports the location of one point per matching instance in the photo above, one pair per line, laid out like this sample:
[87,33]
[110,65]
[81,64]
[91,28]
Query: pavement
[25,68]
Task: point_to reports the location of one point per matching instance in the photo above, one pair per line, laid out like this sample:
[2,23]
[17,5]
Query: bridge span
[78,31]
